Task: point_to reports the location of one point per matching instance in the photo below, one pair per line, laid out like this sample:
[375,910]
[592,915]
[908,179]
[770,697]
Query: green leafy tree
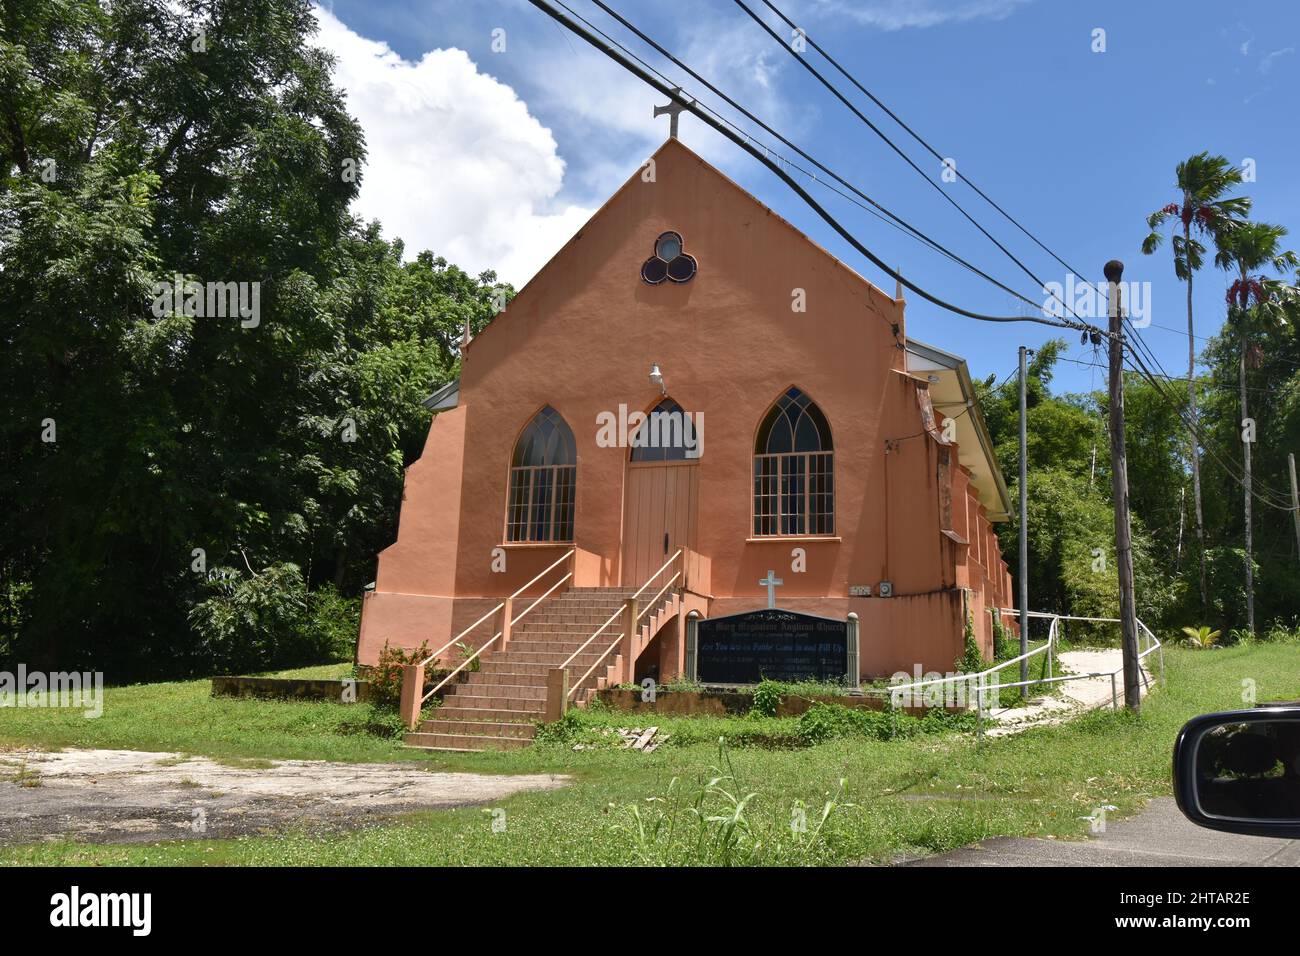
[144,446]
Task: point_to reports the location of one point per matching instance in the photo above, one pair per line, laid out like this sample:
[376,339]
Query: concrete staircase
[499,706]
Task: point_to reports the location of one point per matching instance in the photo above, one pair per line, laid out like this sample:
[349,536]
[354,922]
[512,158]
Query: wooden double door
[659,516]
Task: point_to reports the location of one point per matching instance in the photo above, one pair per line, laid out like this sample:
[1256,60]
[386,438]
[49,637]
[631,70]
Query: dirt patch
[126,796]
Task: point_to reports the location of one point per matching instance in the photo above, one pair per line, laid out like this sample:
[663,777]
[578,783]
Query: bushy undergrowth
[971,660]
[825,721]
[820,723]
[270,619]
[719,821]
[373,719]
[386,676]
[592,728]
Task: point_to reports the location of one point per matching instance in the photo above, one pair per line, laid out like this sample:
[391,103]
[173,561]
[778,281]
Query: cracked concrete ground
[124,796]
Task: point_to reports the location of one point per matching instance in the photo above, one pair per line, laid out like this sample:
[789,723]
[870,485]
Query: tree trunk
[1250,562]
[341,568]
[1196,450]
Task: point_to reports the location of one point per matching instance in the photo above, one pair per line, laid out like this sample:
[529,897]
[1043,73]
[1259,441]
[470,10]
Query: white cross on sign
[771,582]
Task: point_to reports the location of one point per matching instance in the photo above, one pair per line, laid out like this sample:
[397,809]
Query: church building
[690,415]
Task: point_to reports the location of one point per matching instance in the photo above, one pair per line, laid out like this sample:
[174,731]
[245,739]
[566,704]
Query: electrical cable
[676,95]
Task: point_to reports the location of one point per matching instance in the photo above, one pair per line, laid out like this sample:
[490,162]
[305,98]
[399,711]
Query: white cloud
[455,161]
[900,14]
[1266,64]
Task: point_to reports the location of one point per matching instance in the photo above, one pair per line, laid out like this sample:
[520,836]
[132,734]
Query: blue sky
[494,158]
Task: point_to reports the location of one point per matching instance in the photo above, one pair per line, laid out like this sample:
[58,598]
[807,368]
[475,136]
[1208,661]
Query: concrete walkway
[116,796]
[1075,696]
[1157,836]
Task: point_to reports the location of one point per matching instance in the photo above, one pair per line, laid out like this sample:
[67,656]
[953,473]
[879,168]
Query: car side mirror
[1239,771]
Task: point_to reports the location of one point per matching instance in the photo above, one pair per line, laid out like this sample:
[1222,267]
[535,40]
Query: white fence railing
[978,686]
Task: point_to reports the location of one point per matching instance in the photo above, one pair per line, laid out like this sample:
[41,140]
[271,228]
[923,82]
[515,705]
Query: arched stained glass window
[542,481]
[794,473]
[668,434]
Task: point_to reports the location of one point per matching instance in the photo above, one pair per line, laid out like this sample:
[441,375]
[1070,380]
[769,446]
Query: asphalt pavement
[1157,836]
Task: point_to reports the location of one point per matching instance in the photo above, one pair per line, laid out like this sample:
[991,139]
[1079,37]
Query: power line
[616,52]
[1139,366]
[893,442]
[1140,344]
[897,221]
[917,136]
[894,146]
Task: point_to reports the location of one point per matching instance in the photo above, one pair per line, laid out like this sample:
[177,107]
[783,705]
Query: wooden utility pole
[1119,492]
[1295,502]
[1024,532]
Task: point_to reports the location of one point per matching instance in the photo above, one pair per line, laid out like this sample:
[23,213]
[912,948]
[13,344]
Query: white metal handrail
[1001,665]
[677,554]
[612,618]
[1048,646]
[613,644]
[1012,612]
[455,640]
[578,683]
[463,664]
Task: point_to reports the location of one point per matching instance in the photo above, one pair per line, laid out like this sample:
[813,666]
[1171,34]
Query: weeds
[713,825]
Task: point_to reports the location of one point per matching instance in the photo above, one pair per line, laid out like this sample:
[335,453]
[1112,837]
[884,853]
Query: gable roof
[951,383]
[670,145]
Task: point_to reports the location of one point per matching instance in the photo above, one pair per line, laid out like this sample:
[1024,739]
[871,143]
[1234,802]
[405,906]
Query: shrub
[466,652]
[253,621]
[374,719]
[565,730]
[333,622]
[386,676]
[1202,637]
[682,686]
[1279,633]
[767,697]
[823,722]
[1001,649]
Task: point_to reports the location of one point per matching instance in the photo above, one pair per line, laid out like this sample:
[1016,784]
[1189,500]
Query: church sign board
[772,644]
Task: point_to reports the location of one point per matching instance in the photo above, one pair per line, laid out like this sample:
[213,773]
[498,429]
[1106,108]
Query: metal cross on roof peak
[672,110]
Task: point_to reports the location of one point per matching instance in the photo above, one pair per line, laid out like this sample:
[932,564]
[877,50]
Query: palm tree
[1254,301]
[1202,181]
[1201,637]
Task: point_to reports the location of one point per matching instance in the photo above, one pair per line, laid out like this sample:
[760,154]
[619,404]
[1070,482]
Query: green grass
[183,716]
[1037,670]
[919,795]
[337,671]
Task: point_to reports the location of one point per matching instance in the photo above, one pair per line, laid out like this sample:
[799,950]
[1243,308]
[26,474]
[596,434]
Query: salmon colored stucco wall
[581,337]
